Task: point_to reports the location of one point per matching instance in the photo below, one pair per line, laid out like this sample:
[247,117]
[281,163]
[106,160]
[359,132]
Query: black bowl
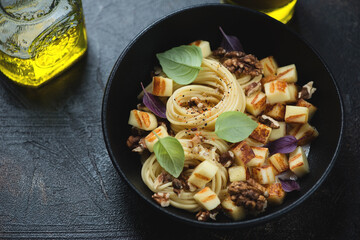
[260,35]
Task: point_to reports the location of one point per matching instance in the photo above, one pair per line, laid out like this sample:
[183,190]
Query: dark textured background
[56,178]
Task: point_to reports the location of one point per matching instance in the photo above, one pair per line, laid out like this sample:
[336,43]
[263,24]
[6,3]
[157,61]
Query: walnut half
[249,194]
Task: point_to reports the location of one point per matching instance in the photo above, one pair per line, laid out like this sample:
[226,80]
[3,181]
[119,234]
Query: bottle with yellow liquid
[282,10]
[40,38]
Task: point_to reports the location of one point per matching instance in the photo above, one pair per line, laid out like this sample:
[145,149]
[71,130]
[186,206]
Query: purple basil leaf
[289,185]
[153,103]
[230,43]
[285,144]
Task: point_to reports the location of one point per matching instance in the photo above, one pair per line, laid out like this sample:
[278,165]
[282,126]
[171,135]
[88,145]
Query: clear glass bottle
[40,38]
[282,10]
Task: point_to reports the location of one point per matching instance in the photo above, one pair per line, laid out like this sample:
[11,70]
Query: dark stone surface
[57,181]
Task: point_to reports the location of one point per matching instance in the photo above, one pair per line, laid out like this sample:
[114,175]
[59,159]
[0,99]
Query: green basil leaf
[170,155]
[181,64]
[234,126]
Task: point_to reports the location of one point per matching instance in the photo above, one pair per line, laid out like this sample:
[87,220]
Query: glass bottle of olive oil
[282,10]
[40,38]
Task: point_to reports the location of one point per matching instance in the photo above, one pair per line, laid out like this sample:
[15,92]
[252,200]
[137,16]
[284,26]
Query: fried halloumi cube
[261,154]
[207,199]
[256,103]
[298,162]
[269,66]
[296,114]
[293,93]
[261,133]
[304,133]
[276,194]
[162,86]
[264,174]
[303,103]
[276,111]
[237,173]
[143,120]
[287,73]
[233,211]
[203,174]
[243,153]
[280,162]
[278,132]
[151,139]
[277,91]
[204,46]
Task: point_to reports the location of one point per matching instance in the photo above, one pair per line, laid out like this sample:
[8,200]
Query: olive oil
[282,10]
[40,39]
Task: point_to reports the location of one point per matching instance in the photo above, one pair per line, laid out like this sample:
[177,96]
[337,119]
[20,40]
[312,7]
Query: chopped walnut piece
[252,88]
[269,121]
[239,63]
[227,159]
[219,53]
[196,102]
[249,194]
[136,143]
[163,199]
[179,184]
[204,215]
[307,91]
[162,178]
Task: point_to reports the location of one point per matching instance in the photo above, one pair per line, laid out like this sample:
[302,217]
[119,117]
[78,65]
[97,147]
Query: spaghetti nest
[198,105]
[198,146]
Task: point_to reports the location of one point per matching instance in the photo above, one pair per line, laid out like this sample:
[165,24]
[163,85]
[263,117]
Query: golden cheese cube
[280,162]
[151,139]
[237,173]
[277,91]
[261,154]
[276,111]
[203,174]
[296,114]
[207,199]
[162,86]
[305,133]
[256,103]
[242,152]
[276,194]
[233,211]
[261,133]
[287,73]
[143,120]
[264,174]
[269,66]
[303,103]
[204,46]
[277,133]
[293,93]
[298,162]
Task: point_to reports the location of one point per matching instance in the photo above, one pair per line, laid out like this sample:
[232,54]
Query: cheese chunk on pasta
[233,211]
[203,174]
[207,199]
[143,120]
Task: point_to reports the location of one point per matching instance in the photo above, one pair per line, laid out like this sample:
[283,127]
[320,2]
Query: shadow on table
[50,94]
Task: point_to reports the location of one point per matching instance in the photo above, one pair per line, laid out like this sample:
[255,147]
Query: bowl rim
[246,222]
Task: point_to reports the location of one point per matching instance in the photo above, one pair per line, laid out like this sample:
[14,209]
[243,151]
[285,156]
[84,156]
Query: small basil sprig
[153,103]
[181,64]
[230,43]
[170,155]
[234,126]
[285,144]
